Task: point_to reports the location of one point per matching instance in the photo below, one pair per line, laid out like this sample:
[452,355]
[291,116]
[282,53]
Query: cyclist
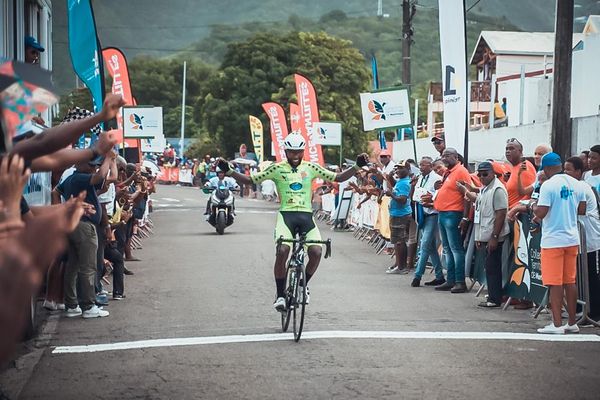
[293,179]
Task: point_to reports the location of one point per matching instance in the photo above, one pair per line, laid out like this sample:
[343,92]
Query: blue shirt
[402,188]
[77,183]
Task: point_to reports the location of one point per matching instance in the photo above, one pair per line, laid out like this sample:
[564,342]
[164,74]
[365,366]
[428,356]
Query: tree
[261,69]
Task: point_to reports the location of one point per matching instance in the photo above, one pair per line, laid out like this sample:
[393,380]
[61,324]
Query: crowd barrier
[521,265]
[174,175]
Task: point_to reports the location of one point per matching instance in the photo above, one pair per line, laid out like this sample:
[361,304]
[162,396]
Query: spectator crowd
[426,214]
[71,250]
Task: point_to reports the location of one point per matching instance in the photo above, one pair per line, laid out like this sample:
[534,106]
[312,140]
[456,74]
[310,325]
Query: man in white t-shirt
[561,200]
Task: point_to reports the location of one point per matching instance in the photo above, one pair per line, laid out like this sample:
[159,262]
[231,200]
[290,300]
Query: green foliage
[261,69]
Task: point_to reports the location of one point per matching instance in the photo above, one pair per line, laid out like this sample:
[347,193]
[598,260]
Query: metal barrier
[583,286]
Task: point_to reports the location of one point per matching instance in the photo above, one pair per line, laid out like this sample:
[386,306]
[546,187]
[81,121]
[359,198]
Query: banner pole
[181,140]
[414,135]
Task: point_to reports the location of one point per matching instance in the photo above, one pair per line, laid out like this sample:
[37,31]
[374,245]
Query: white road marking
[195,341]
[169,199]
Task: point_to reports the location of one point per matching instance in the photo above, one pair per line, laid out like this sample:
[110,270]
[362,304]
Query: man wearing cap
[439,143]
[32,50]
[491,228]
[561,200]
[381,174]
[400,214]
[83,241]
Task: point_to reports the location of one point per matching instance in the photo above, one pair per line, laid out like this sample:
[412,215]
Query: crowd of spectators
[72,247]
[435,205]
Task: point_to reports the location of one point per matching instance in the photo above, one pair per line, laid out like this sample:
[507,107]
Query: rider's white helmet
[294,141]
[217,169]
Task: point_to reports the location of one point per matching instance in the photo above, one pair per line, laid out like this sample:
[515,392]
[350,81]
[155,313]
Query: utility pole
[409,9]
[561,99]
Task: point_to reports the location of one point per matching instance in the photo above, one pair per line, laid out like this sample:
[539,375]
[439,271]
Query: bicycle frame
[296,272]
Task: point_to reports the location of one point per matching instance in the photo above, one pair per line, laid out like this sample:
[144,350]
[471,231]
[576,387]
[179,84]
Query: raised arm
[361,161]
[240,178]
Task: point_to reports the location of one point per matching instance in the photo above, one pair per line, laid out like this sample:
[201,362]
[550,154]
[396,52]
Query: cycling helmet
[294,141]
[217,169]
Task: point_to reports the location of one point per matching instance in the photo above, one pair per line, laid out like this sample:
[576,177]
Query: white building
[22,18]
[518,66]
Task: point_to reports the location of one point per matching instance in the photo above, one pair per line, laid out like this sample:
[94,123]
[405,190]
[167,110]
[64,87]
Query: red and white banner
[279,129]
[309,113]
[296,122]
[116,64]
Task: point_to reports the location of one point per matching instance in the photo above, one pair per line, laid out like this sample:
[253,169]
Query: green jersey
[294,185]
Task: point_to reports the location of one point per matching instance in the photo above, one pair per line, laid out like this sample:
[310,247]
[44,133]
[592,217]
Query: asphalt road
[217,291]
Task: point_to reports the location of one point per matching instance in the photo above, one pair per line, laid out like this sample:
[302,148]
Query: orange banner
[116,64]
[279,129]
[296,122]
[309,113]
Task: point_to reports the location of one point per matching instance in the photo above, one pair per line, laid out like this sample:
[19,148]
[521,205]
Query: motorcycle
[221,207]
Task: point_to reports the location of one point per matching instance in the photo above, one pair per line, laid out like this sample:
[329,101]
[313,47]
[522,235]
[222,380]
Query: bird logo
[136,121]
[377,109]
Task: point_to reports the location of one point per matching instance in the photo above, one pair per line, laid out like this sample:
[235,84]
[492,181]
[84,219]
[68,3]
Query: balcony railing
[481,91]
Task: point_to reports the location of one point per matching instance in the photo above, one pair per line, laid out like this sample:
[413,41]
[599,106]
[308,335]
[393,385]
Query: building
[518,66]
[22,18]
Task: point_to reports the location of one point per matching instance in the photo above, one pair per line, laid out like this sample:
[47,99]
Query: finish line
[273,337]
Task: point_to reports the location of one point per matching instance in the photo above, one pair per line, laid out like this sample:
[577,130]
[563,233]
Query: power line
[477,2]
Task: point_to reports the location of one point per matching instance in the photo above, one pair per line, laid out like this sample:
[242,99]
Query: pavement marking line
[272,337]
[169,199]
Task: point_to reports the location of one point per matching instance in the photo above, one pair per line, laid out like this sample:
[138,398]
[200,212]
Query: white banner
[387,109]
[142,122]
[156,145]
[328,133]
[454,72]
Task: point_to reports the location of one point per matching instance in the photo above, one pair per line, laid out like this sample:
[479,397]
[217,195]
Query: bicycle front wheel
[300,300]
[289,297]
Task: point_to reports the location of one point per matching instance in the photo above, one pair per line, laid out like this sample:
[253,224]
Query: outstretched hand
[362,160]
[112,105]
[223,165]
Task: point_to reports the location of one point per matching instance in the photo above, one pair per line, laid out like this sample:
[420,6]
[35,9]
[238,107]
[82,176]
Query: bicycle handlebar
[303,241]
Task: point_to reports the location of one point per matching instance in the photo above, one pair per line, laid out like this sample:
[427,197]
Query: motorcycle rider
[220,181]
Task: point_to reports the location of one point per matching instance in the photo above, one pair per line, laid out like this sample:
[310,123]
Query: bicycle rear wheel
[289,297]
[298,310]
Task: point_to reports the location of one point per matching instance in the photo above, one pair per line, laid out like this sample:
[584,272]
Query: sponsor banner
[38,189]
[256,130]
[116,64]
[156,145]
[142,122]
[279,129]
[295,117]
[309,113]
[328,133]
[296,123]
[525,270]
[387,109]
[84,49]
[454,72]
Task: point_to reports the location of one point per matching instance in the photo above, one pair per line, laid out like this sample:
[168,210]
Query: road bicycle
[295,294]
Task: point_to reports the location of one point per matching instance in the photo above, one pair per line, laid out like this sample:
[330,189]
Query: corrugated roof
[517,43]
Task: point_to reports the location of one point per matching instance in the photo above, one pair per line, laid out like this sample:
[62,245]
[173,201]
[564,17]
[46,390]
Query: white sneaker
[73,312]
[551,329]
[396,270]
[301,292]
[95,312]
[53,306]
[571,328]
[279,304]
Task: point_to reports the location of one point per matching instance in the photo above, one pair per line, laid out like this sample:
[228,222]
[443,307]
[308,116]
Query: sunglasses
[437,141]
[483,174]
[514,140]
